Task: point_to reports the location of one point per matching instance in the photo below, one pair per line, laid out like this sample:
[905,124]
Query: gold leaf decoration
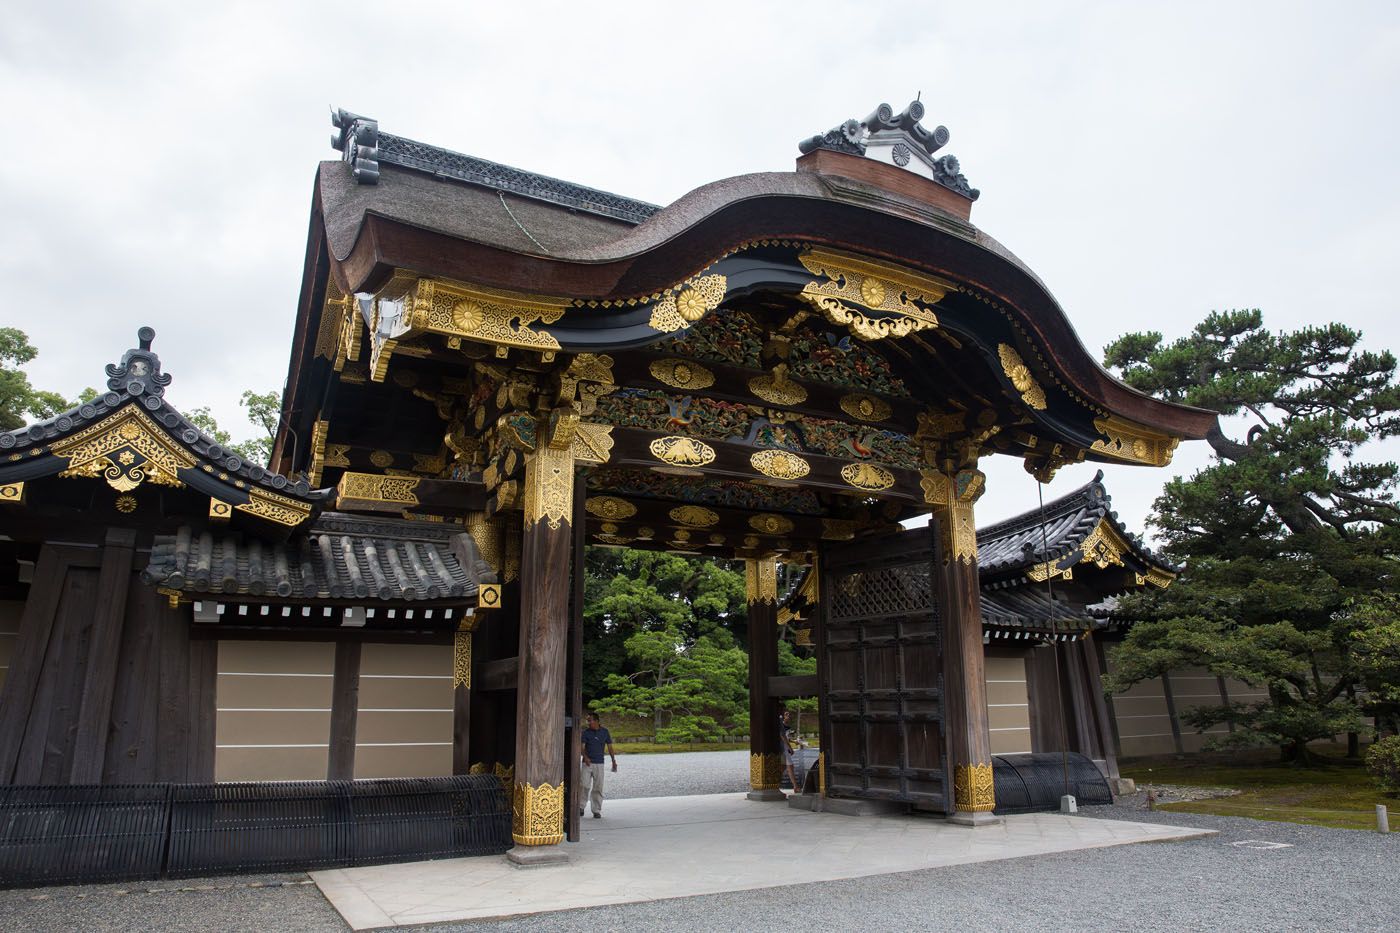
[462,659]
[777,388]
[682,374]
[549,487]
[865,407]
[1020,375]
[488,315]
[780,464]
[689,303]
[126,449]
[610,507]
[867,476]
[695,515]
[974,789]
[682,451]
[537,814]
[765,771]
[761,580]
[898,295]
[769,524]
[1127,440]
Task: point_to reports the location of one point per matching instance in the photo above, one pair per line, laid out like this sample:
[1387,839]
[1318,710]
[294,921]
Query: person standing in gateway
[594,740]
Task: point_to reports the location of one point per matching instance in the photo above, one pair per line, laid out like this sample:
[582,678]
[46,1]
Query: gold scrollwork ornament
[1020,375]
[765,771]
[769,524]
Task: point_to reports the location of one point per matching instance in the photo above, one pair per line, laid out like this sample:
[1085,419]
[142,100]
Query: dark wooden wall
[105,685]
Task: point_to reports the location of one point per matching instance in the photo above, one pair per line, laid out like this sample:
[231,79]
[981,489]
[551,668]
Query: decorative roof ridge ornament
[357,139]
[900,140]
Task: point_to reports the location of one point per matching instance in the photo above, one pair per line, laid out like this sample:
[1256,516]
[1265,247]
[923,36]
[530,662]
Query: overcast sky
[1150,164]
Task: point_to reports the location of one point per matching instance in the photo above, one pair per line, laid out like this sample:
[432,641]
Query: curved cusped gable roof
[591,271]
[130,435]
[1077,528]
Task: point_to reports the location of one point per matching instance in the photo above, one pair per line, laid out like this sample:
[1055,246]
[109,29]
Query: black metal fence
[131,832]
[1030,783]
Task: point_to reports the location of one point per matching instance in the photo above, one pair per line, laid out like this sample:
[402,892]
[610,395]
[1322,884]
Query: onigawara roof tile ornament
[897,139]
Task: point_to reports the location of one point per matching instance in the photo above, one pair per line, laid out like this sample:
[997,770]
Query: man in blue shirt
[594,740]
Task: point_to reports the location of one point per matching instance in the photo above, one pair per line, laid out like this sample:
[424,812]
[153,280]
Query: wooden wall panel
[1008,705]
[10,612]
[1144,726]
[404,723]
[274,710]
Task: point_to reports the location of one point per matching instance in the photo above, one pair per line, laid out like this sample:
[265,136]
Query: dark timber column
[765,761]
[965,686]
[546,553]
[345,708]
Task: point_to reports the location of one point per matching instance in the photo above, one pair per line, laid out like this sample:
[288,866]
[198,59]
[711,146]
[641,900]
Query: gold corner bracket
[974,788]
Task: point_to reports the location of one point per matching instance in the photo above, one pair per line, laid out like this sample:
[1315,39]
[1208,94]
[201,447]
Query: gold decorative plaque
[867,476]
[780,464]
[865,407]
[694,515]
[769,524]
[1020,375]
[682,451]
[682,374]
[12,492]
[610,507]
[688,303]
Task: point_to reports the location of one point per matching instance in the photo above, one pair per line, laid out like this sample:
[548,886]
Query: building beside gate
[490,370]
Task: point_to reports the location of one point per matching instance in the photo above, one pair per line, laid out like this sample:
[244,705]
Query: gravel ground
[677,775]
[1326,879]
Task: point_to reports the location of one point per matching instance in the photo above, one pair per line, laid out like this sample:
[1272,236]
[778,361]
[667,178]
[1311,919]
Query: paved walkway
[657,848]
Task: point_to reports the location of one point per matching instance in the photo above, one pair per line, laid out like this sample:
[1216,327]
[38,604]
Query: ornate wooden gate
[881,672]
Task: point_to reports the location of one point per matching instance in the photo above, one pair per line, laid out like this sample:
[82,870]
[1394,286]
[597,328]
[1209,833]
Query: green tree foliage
[692,690]
[264,410]
[1287,535]
[20,402]
[663,636]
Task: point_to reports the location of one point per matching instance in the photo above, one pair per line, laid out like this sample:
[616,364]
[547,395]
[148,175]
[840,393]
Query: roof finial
[145,335]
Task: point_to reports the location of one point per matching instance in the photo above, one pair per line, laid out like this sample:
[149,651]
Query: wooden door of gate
[881,672]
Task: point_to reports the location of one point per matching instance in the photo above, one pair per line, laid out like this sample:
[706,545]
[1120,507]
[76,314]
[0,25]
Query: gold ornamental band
[765,771]
[537,815]
[974,789]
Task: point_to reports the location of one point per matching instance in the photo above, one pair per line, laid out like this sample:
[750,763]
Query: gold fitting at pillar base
[765,771]
[974,788]
[537,815]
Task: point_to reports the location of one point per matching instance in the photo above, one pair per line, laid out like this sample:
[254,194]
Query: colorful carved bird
[682,412]
[861,448]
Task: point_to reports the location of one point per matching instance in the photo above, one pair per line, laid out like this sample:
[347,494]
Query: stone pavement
[666,847]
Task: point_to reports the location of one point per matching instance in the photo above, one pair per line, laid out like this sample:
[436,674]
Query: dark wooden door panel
[881,672]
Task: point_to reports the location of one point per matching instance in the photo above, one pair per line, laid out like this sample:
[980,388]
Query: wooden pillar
[1089,658]
[573,735]
[345,711]
[965,688]
[765,757]
[94,718]
[546,552]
